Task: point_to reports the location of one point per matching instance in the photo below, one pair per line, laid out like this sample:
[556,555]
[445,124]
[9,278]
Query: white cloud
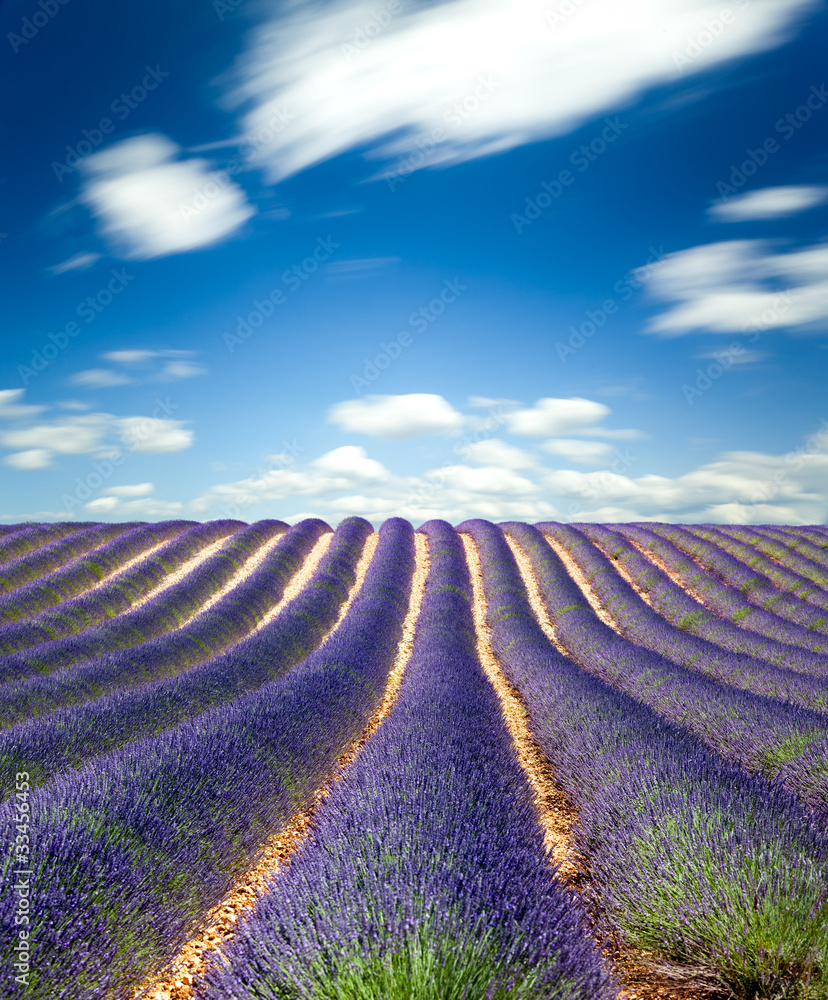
[182,369]
[498,453]
[34,444]
[612,434]
[34,458]
[99,378]
[549,416]
[10,407]
[751,487]
[521,76]
[350,462]
[150,204]
[741,285]
[72,436]
[396,417]
[494,481]
[585,452]
[152,434]
[127,510]
[769,203]
[79,262]
[747,356]
[136,490]
[130,357]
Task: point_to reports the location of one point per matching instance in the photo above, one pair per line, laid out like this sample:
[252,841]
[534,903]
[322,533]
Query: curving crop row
[425,874]
[813,536]
[760,734]
[86,571]
[111,598]
[640,624]
[794,552]
[687,615]
[753,588]
[69,737]
[785,571]
[56,554]
[208,634]
[164,612]
[128,855]
[726,600]
[25,538]
[720,876]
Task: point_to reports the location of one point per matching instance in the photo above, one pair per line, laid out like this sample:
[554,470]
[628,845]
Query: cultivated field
[490,762]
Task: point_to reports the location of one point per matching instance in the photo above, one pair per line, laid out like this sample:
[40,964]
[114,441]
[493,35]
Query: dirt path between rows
[189,964]
[555,814]
[657,561]
[183,570]
[639,980]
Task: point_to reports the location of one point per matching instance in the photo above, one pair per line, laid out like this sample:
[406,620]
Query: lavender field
[474,762]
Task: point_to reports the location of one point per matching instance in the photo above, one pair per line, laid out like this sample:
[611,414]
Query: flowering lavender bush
[759,733]
[755,588]
[84,572]
[56,554]
[720,876]
[772,576]
[129,854]
[725,599]
[425,875]
[640,624]
[776,548]
[111,598]
[160,614]
[690,617]
[68,737]
[233,617]
[23,538]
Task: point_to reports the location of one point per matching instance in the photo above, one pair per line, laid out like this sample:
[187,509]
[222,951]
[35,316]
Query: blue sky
[499,258]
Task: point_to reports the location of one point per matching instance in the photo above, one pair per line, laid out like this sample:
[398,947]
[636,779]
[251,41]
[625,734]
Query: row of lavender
[676,632]
[129,853]
[730,588]
[177,643]
[761,734]
[425,875]
[719,875]
[33,622]
[68,737]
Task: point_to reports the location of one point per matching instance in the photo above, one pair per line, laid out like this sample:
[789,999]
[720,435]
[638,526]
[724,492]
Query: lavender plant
[67,738]
[84,572]
[719,876]
[232,618]
[111,598]
[162,613]
[425,875]
[128,855]
[640,624]
[725,599]
[54,555]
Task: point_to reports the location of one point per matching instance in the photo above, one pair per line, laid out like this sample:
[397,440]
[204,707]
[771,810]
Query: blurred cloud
[584,452]
[769,203]
[741,285]
[151,204]
[99,378]
[483,75]
[79,262]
